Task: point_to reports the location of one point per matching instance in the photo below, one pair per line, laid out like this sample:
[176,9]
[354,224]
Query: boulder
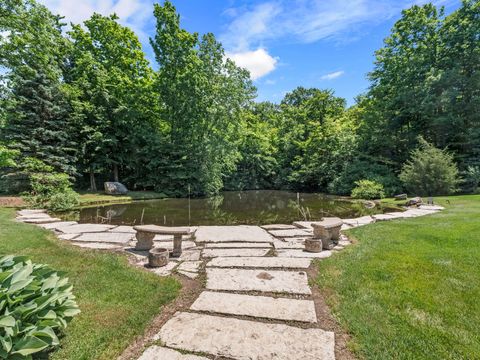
[115,188]
[400,197]
[416,201]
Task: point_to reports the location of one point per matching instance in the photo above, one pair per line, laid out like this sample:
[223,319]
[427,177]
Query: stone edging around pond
[257,302]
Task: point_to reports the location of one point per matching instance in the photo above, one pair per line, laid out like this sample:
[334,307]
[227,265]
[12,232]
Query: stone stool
[328,231]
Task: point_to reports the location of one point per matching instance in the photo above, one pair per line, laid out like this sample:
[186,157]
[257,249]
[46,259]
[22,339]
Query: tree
[430,171]
[37,112]
[115,97]
[202,95]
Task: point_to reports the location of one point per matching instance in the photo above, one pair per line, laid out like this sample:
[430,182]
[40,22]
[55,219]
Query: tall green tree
[37,112]
[113,83]
[202,95]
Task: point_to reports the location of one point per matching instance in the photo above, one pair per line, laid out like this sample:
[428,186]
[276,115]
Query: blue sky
[285,44]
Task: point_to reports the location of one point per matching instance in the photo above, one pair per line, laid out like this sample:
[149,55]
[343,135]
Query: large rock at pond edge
[401,197]
[115,188]
[416,201]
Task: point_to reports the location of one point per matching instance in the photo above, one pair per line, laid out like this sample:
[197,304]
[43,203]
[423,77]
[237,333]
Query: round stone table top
[328,222]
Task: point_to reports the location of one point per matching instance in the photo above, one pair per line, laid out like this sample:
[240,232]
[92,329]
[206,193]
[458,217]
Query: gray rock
[414,201]
[400,197]
[115,188]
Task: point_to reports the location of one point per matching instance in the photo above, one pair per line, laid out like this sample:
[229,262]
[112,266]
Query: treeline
[87,103]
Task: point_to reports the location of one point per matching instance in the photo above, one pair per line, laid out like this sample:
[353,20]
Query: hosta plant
[36,303]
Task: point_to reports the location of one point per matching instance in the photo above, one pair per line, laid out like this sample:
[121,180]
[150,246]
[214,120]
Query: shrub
[471,179]
[49,189]
[36,303]
[430,171]
[368,189]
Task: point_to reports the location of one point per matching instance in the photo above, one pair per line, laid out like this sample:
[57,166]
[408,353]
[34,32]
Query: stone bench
[146,233]
[328,231]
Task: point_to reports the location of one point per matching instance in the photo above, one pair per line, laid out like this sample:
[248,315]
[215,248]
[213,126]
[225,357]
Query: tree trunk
[115,173]
[93,185]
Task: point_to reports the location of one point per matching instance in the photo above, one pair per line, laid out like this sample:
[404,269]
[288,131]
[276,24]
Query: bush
[49,189]
[36,303]
[367,189]
[471,179]
[430,171]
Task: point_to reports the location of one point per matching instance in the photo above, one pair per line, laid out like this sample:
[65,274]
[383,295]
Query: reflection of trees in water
[215,202]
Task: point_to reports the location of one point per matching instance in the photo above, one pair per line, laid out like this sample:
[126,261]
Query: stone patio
[254,275]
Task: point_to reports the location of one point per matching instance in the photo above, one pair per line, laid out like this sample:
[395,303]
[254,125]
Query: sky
[327,44]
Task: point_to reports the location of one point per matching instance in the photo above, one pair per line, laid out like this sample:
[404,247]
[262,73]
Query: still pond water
[229,208]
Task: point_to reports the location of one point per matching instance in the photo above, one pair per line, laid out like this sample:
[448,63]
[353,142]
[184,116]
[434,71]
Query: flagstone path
[257,303]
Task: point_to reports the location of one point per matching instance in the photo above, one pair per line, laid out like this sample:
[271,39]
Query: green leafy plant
[36,303]
[368,189]
[430,171]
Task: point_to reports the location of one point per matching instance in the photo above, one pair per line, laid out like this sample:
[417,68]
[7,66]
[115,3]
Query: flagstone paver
[227,245]
[67,236]
[105,237]
[98,246]
[245,339]
[56,225]
[39,221]
[256,306]
[190,266]
[303,254]
[260,262]
[208,253]
[241,233]
[85,228]
[169,245]
[292,282]
[160,353]
[292,243]
[124,229]
[277,227]
[290,233]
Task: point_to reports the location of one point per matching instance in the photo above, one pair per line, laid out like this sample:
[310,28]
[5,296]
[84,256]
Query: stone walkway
[257,302]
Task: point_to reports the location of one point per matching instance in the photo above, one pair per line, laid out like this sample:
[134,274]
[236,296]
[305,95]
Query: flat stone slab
[292,282]
[169,245]
[290,233]
[277,227]
[383,217]
[124,229]
[56,225]
[290,244]
[40,215]
[364,220]
[105,237]
[96,245]
[431,207]
[260,262]
[160,353]
[67,236]
[240,233]
[209,253]
[303,254]
[238,245]
[188,255]
[27,212]
[303,224]
[191,275]
[85,228]
[164,270]
[246,340]
[256,306]
[40,220]
[190,266]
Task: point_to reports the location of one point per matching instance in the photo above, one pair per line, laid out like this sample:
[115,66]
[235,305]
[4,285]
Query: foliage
[430,171]
[7,157]
[48,189]
[471,179]
[36,303]
[368,189]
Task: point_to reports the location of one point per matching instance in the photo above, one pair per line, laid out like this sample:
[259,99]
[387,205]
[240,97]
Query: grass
[410,289]
[95,198]
[117,300]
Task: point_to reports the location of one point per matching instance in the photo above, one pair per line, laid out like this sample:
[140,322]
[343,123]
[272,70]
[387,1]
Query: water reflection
[247,207]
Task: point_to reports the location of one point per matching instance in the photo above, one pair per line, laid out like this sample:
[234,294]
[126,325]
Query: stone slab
[67,236]
[56,225]
[431,207]
[260,262]
[188,255]
[238,245]
[41,221]
[256,306]
[105,237]
[303,254]
[303,225]
[41,215]
[27,212]
[96,245]
[291,233]
[191,275]
[290,244]
[124,229]
[164,270]
[190,266]
[160,353]
[277,227]
[209,253]
[85,228]
[246,340]
[240,233]
[364,220]
[169,245]
[293,282]
[383,217]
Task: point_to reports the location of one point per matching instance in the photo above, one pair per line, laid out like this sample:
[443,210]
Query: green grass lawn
[117,300]
[95,198]
[410,289]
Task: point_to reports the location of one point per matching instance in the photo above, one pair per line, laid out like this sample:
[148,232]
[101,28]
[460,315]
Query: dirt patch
[191,289]
[326,321]
[264,276]
[11,201]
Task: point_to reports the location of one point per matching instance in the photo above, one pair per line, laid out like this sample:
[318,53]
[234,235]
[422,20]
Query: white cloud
[333,75]
[259,62]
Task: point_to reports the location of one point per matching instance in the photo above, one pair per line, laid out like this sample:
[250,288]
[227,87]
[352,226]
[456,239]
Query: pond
[229,208]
